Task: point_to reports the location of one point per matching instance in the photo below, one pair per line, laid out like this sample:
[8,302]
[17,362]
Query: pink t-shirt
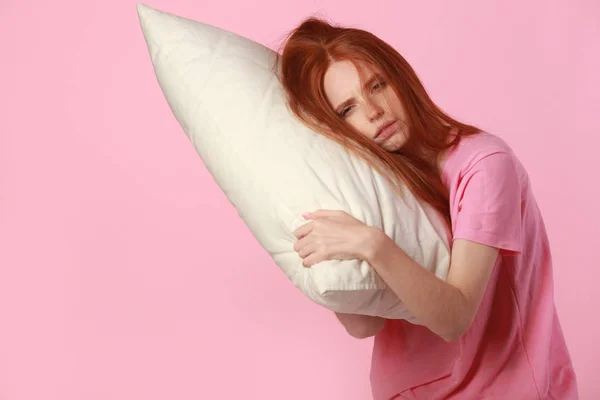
[515,348]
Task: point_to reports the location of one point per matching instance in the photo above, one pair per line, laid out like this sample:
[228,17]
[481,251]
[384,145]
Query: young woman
[490,331]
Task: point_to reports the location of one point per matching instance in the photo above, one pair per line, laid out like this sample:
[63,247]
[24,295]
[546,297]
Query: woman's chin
[394,143]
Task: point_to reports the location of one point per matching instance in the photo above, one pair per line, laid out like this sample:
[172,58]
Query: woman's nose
[374,111]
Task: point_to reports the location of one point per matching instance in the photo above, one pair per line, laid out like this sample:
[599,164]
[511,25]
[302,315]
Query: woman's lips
[386,132]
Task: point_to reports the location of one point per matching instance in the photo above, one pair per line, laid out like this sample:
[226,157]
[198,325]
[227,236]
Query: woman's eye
[345,111]
[378,86]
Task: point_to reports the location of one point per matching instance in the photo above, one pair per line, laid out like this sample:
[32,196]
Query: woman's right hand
[361,326]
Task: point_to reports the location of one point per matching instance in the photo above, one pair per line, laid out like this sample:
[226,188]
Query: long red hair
[308,51]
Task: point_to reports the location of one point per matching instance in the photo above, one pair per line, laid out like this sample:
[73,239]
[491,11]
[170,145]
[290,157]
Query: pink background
[126,273]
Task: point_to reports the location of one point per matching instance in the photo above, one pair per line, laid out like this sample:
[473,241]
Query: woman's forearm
[436,304]
[361,326]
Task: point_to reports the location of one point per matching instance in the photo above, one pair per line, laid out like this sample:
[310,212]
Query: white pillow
[272,168]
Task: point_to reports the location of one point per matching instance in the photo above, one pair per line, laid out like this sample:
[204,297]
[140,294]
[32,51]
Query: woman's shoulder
[484,143]
[471,150]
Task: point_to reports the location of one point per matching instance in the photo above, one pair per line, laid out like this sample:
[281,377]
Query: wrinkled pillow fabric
[272,168]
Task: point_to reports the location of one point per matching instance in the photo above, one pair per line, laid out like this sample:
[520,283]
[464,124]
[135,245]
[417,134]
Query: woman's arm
[448,307]
[361,326]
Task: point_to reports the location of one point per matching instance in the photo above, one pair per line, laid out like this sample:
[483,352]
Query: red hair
[306,55]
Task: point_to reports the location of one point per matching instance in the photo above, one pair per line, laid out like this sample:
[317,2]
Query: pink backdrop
[126,273]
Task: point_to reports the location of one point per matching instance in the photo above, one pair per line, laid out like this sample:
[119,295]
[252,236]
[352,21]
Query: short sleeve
[489,211]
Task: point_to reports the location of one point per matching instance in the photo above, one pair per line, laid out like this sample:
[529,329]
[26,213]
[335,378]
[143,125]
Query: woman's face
[373,109]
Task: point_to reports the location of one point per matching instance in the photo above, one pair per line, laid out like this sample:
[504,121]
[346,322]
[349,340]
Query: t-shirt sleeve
[490,206]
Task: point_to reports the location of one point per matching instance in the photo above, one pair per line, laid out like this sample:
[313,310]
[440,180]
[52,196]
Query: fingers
[307,246]
[304,230]
[309,250]
[309,227]
[313,259]
[313,253]
[306,249]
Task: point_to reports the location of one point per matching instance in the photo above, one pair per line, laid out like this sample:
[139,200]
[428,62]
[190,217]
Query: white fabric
[272,168]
